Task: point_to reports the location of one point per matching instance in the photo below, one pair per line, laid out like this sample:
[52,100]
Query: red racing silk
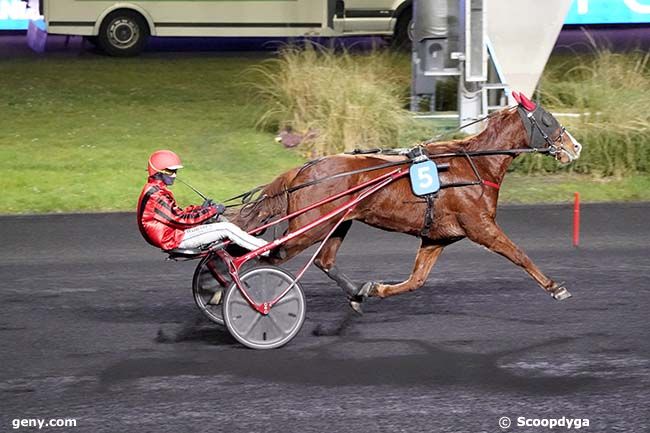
[161,222]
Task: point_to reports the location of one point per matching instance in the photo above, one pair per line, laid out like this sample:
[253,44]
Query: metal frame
[367,188]
[234,264]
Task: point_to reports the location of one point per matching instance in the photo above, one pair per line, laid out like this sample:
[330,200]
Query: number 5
[426,180]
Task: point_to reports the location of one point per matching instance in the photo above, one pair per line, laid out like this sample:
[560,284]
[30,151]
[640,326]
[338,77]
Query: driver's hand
[220,208]
[208,202]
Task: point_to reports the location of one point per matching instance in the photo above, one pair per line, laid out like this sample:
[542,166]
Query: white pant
[208,233]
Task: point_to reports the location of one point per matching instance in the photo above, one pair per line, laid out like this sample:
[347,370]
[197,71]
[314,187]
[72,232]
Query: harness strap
[429,155]
[513,152]
[428,215]
[479,179]
[492,184]
[247,197]
[347,173]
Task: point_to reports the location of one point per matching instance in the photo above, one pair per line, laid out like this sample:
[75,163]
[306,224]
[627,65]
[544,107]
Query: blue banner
[13,24]
[609,12]
[15,15]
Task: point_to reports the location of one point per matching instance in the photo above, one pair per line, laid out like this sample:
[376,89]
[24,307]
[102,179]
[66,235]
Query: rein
[346,173]
[468,155]
[247,197]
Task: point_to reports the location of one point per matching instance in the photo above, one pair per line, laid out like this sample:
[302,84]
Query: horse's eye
[547,120]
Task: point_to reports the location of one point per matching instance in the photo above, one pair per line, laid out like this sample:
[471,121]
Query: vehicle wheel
[123,33]
[285,318]
[402,35]
[210,278]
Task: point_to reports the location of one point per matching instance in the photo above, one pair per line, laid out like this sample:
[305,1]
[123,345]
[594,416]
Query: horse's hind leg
[326,260]
[425,259]
[490,235]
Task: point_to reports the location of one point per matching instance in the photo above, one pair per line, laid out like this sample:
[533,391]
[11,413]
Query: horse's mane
[495,133]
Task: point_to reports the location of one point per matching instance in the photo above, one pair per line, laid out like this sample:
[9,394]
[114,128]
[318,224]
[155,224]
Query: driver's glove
[208,202]
[220,208]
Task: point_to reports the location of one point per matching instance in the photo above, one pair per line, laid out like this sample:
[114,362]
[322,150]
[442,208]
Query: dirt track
[96,326]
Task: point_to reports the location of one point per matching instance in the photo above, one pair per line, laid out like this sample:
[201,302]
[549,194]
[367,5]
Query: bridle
[554,147]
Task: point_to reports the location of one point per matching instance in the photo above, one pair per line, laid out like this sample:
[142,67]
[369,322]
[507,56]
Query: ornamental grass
[339,100]
[610,94]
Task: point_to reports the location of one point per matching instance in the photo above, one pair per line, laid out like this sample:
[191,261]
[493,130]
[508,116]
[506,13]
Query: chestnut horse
[477,166]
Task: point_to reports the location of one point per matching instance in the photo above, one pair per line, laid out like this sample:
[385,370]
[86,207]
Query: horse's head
[545,132]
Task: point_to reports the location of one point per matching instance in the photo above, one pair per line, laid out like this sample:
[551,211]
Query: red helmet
[163,160]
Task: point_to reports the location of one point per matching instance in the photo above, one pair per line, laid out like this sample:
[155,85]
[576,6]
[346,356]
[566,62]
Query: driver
[165,225]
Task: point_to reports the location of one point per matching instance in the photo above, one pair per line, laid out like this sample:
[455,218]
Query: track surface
[96,326]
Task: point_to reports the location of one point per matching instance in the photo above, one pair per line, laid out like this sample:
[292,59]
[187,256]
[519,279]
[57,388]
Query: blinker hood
[540,126]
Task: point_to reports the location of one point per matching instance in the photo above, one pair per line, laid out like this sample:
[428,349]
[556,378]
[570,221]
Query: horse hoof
[216,298]
[561,294]
[366,289]
[278,253]
[355,304]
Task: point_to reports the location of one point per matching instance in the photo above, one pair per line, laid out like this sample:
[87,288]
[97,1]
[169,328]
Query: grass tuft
[611,92]
[344,101]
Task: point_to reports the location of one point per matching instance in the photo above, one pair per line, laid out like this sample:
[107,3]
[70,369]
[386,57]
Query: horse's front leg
[425,259]
[326,260]
[487,233]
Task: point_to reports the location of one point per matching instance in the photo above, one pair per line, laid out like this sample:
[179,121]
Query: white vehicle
[121,28]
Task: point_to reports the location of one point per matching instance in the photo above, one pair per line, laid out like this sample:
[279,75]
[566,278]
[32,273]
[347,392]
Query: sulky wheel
[285,318]
[210,278]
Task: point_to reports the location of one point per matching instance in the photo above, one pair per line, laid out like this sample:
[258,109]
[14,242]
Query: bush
[612,92]
[342,101]
[359,100]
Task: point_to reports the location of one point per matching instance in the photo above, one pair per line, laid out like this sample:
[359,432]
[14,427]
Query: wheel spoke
[289,297]
[241,302]
[255,321]
[264,288]
[277,326]
[280,285]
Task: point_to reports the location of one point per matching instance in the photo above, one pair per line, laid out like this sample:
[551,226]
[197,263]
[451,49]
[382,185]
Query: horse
[467,208]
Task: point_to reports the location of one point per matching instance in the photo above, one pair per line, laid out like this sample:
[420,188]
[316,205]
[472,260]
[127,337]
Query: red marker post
[576,219]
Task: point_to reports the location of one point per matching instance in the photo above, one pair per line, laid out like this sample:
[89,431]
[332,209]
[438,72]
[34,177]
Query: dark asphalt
[96,326]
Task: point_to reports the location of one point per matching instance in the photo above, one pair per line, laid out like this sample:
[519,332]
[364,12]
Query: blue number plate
[424,178]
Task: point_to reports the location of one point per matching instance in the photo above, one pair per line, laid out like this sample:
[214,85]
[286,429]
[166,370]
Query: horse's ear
[527,103]
[516,96]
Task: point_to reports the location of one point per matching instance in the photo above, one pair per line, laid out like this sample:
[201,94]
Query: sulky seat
[193,253]
[184,253]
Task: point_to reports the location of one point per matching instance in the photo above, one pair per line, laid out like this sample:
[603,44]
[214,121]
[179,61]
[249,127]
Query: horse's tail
[272,203]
